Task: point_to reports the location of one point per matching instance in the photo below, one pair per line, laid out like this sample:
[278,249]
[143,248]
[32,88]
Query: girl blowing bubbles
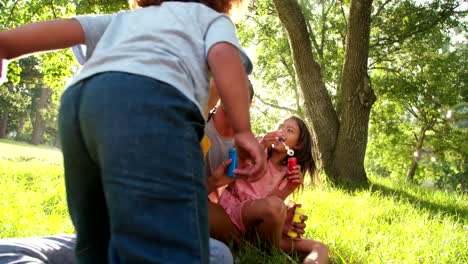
[259,205]
[131,121]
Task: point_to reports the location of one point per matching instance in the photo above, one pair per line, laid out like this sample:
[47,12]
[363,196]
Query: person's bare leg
[267,215]
[220,224]
[315,252]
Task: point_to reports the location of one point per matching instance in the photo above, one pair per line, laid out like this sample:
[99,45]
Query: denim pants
[134,171]
[59,249]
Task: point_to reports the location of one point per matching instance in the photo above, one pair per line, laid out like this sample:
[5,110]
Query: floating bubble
[424,156]
[457,116]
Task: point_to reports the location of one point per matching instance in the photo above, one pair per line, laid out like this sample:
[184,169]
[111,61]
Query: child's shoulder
[180,7]
[181,11]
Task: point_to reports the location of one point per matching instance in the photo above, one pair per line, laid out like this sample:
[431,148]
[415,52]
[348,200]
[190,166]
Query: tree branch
[325,12]
[324,29]
[288,69]
[12,12]
[291,72]
[274,105]
[410,109]
[381,8]
[343,37]
[419,28]
[313,38]
[53,8]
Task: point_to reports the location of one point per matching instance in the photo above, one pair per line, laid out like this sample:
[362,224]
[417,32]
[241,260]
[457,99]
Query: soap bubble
[424,156]
[457,116]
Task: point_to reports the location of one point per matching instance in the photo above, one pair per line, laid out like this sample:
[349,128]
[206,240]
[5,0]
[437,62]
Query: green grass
[391,222]
[33,192]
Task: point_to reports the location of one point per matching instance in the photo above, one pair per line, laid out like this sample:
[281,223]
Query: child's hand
[272,138]
[3,67]
[299,228]
[219,177]
[295,177]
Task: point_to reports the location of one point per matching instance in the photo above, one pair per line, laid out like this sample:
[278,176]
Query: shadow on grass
[419,202]
[261,252]
[249,253]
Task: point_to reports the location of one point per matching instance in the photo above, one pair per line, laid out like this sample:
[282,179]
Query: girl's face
[292,133]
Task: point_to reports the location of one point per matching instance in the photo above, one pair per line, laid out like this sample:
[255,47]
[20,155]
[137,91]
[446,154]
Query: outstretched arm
[40,36]
[36,37]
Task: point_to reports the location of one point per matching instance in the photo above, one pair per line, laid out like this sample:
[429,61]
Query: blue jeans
[59,249]
[134,171]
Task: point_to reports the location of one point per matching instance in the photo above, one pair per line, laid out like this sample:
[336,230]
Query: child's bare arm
[40,36]
[295,178]
[231,81]
[283,193]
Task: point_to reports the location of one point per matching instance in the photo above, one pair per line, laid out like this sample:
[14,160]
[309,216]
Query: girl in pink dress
[259,205]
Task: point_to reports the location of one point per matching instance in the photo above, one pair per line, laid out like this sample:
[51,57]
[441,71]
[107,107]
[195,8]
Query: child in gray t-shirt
[131,120]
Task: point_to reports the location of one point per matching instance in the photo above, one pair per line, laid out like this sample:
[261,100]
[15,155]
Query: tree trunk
[3,124]
[414,163]
[19,131]
[318,105]
[412,170]
[38,121]
[56,142]
[355,101]
[339,141]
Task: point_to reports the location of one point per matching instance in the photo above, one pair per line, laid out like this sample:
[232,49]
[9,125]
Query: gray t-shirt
[169,42]
[219,149]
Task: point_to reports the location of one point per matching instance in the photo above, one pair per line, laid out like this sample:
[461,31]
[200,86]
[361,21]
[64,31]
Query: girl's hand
[3,67]
[299,228]
[295,177]
[272,138]
[219,177]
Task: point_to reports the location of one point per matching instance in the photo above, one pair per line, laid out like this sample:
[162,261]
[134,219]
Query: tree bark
[19,131]
[38,120]
[340,140]
[414,163]
[3,124]
[412,170]
[355,101]
[318,105]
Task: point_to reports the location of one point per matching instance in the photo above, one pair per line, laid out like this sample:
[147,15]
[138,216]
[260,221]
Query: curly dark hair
[222,6]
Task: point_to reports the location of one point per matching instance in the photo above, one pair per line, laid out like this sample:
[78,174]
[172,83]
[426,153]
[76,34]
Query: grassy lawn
[33,191]
[392,222]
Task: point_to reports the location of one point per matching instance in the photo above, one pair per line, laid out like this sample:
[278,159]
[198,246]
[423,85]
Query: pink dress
[241,191]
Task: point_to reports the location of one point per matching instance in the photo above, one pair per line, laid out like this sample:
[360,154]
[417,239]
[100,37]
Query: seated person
[59,249]
[257,207]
